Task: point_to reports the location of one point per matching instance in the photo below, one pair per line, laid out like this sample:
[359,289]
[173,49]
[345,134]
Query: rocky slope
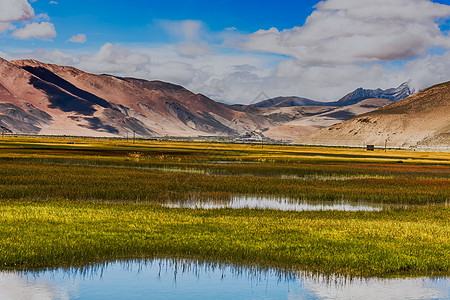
[421,120]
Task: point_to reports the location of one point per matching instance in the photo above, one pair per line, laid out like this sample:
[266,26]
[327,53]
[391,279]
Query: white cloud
[15,10]
[239,78]
[53,2]
[43,30]
[5,26]
[14,286]
[344,44]
[409,288]
[113,59]
[191,36]
[48,56]
[79,38]
[351,31]
[187,30]
[192,50]
[4,55]
[429,70]
[43,17]
[329,82]
[175,72]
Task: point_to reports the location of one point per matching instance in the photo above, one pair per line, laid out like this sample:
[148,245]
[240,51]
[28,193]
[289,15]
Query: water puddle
[283,204]
[168,279]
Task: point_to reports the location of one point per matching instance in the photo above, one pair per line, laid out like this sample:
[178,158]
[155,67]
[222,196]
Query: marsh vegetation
[95,200]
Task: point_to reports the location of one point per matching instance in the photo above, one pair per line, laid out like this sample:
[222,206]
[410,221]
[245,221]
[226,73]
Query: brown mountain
[421,120]
[38,98]
[52,99]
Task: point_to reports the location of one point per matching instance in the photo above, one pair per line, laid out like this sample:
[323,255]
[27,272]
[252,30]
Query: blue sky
[137,21]
[234,50]
[248,16]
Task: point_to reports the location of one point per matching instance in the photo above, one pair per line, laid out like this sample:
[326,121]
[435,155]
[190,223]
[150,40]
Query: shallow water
[275,204]
[166,279]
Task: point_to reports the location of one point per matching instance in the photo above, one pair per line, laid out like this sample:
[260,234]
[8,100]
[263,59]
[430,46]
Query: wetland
[326,211]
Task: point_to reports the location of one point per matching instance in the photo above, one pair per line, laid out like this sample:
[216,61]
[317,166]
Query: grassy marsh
[63,233]
[69,204]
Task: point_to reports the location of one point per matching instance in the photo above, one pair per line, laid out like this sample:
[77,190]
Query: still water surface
[285,204]
[167,279]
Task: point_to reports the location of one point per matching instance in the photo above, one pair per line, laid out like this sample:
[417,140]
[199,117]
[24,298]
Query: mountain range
[360,94]
[48,99]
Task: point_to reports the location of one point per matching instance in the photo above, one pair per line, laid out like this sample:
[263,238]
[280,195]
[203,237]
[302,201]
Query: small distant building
[370,147]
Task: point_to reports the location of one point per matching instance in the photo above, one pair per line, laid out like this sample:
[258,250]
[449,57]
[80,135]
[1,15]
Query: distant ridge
[393,94]
[358,95]
[288,102]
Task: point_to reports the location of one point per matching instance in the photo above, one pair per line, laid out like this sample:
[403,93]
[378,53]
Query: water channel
[169,279]
[285,204]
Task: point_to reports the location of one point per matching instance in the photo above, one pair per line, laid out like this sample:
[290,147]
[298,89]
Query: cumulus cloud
[343,45]
[48,56]
[239,78]
[192,50]
[191,36]
[55,57]
[175,72]
[42,17]
[329,82]
[43,30]
[15,10]
[352,31]
[429,70]
[240,85]
[79,38]
[113,59]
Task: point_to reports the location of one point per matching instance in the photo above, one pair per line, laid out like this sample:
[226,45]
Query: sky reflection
[171,279]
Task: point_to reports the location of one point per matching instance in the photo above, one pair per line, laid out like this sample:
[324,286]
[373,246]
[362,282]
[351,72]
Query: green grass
[72,204]
[137,182]
[66,233]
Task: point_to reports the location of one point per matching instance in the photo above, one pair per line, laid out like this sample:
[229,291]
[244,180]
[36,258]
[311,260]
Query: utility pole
[134,136]
[127,137]
[385,146]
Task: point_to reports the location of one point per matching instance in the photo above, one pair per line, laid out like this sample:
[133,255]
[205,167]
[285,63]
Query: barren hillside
[421,120]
